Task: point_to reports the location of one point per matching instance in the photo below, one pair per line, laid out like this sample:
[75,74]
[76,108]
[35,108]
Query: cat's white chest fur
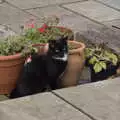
[64,58]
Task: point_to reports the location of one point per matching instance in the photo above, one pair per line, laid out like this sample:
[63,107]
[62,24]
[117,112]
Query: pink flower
[31,25]
[44,26]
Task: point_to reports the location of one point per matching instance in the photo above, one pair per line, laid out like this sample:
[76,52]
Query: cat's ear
[51,41]
[64,40]
[51,44]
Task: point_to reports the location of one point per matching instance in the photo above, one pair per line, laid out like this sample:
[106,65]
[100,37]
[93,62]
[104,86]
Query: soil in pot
[104,74]
[10,69]
[75,64]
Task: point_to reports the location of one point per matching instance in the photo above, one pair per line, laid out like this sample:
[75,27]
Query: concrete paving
[100,100]
[111,3]
[27,4]
[94,10]
[39,107]
[92,20]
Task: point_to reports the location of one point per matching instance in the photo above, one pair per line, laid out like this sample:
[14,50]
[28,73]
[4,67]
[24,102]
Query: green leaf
[93,60]
[103,65]
[88,52]
[97,67]
[114,59]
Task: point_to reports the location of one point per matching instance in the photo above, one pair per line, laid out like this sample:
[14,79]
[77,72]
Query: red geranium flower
[43,28]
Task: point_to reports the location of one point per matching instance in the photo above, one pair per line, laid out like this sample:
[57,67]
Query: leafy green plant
[71,46]
[99,57]
[48,31]
[15,44]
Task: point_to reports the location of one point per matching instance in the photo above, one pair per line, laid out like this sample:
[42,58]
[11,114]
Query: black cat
[43,70]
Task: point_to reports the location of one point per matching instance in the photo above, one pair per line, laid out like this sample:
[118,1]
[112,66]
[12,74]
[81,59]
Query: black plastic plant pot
[104,74]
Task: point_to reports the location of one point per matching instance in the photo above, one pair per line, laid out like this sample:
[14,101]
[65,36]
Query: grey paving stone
[114,25]
[26,4]
[112,3]
[94,100]
[5,31]
[91,31]
[13,17]
[39,107]
[94,10]
[49,11]
[112,22]
[78,23]
[110,88]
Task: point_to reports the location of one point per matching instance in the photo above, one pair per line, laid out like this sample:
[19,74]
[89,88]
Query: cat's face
[59,49]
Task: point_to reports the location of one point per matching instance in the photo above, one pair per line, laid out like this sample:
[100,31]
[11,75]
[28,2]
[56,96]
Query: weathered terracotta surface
[10,69]
[75,64]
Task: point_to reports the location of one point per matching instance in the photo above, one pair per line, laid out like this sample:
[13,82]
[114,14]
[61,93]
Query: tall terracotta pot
[42,48]
[75,65]
[10,69]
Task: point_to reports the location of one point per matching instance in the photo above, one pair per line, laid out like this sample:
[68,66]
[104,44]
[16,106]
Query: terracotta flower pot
[75,65]
[42,48]
[10,69]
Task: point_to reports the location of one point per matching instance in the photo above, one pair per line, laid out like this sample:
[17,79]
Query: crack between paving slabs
[82,15]
[21,9]
[105,4]
[74,106]
[51,5]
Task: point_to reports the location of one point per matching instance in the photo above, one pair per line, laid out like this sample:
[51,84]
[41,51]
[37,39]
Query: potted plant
[39,36]
[102,61]
[75,64]
[13,51]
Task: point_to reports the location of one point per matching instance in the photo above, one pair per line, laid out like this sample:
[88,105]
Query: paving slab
[78,23]
[115,22]
[93,100]
[94,10]
[114,25]
[110,88]
[49,11]
[92,31]
[13,17]
[27,4]
[112,3]
[5,31]
[39,107]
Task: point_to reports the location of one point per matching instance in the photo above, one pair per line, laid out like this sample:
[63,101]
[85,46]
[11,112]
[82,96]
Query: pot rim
[39,44]
[77,50]
[11,57]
